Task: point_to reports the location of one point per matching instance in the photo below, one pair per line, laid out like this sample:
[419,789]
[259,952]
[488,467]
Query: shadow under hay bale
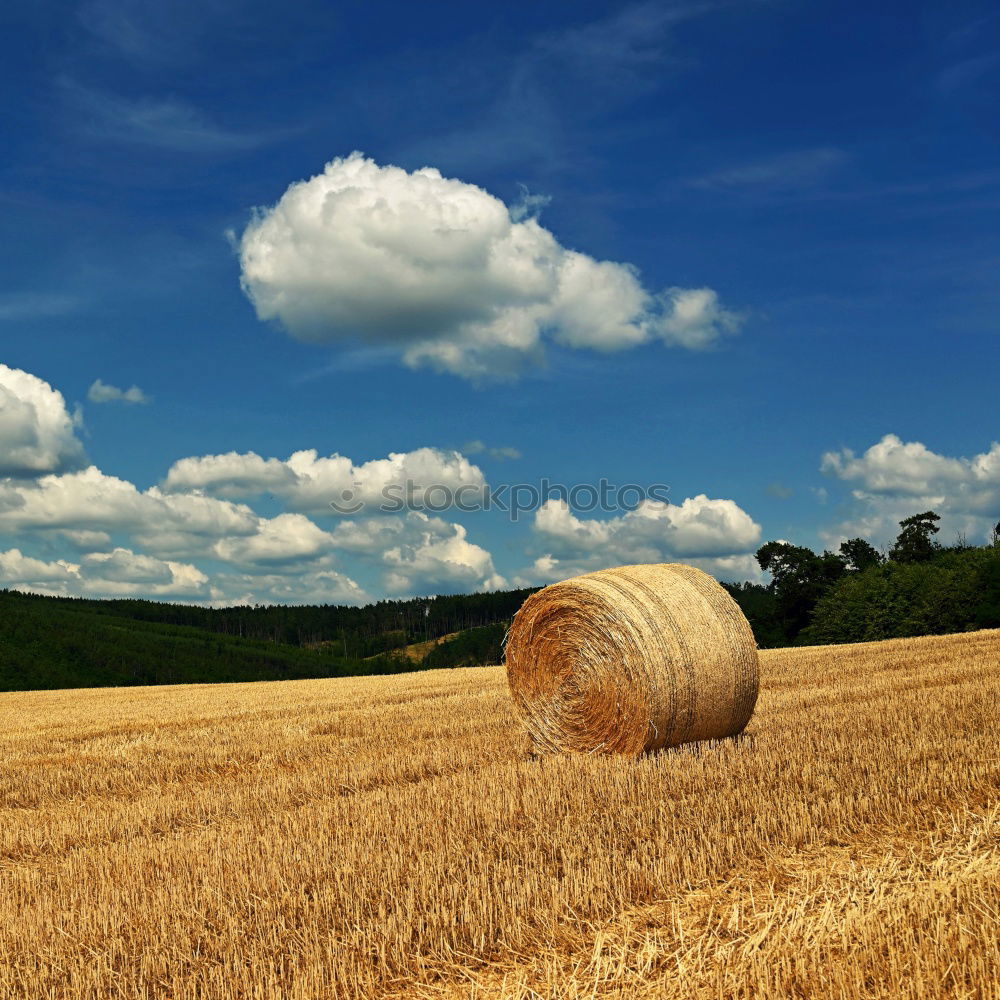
[632,660]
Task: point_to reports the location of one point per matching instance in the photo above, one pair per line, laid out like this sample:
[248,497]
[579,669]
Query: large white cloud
[894,479]
[440,270]
[37,434]
[309,483]
[716,535]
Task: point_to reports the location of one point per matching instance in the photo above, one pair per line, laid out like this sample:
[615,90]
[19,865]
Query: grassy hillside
[395,837]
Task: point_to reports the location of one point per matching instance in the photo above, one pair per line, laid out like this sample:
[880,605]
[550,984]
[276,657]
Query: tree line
[351,632]
[858,593]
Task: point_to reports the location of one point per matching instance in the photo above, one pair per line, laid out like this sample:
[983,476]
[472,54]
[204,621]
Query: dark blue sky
[829,171]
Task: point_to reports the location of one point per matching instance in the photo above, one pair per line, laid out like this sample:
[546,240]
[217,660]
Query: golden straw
[630,660]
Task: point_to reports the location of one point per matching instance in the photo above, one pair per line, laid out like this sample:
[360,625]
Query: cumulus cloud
[694,317]
[309,483]
[86,540]
[127,566]
[88,508]
[282,558]
[37,433]
[18,569]
[101,392]
[286,538]
[420,554]
[436,556]
[716,535]
[121,573]
[894,479]
[445,274]
[892,467]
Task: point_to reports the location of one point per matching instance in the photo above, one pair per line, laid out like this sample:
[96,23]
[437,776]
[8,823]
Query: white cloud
[442,272]
[17,568]
[126,566]
[309,483]
[286,538]
[87,507]
[894,479]
[438,557]
[894,468]
[420,554]
[37,433]
[101,392]
[550,569]
[716,535]
[697,527]
[86,540]
[695,318]
[230,475]
[528,205]
[121,573]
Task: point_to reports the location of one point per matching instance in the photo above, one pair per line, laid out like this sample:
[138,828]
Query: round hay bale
[630,660]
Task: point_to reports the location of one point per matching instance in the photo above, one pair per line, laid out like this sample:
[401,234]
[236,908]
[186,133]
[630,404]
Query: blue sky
[746,250]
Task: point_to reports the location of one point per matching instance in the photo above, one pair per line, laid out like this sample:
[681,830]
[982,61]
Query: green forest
[917,587]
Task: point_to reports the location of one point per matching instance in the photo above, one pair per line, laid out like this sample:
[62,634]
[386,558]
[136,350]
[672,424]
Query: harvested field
[393,836]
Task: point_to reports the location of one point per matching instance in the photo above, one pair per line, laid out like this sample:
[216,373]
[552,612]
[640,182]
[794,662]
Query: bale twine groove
[632,659]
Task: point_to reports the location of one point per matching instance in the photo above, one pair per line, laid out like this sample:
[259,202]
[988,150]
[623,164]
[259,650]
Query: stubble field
[394,836]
